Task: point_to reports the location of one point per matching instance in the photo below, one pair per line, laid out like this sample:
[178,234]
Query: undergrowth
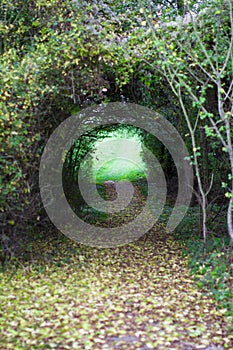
[214,274]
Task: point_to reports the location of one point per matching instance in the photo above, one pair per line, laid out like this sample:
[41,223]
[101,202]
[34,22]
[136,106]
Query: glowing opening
[116,157]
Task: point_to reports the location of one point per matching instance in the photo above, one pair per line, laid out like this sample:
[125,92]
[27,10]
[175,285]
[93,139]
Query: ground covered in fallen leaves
[139,296]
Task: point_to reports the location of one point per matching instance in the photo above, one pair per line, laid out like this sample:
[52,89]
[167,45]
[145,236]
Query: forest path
[138,296]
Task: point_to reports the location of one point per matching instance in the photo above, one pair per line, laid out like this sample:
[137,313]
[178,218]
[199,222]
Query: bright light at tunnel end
[51,167]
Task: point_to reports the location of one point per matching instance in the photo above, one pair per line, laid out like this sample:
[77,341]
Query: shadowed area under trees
[165,290]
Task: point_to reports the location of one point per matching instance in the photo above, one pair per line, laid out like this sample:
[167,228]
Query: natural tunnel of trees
[59,57]
[129,282]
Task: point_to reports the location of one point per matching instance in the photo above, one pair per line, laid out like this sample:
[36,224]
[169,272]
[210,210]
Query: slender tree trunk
[230,205]
[203,194]
[229,220]
[204,228]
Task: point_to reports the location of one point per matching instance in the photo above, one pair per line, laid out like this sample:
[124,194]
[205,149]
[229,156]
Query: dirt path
[139,296]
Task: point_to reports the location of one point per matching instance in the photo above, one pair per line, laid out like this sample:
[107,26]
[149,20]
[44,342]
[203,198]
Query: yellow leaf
[11,222]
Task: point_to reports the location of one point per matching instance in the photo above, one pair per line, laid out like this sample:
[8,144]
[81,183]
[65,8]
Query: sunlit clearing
[118,159]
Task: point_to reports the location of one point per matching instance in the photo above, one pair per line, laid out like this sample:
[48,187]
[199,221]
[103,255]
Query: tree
[195,56]
[52,62]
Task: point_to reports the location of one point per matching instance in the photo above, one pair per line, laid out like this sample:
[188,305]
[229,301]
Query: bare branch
[229,53]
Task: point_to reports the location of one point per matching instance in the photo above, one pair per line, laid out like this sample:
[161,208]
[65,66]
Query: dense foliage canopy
[60,56]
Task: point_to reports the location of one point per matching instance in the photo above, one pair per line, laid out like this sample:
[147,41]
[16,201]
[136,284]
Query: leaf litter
[139,296]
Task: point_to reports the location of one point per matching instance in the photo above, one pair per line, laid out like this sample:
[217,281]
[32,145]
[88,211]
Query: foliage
[194,55]
[43,76]
[213,274]
[87,144]
[56,58]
